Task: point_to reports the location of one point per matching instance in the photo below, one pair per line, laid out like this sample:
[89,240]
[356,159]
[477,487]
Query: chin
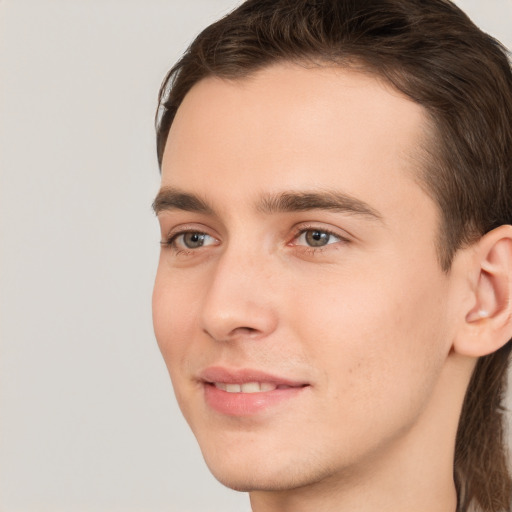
[257,480]
[237,468]
[265,470]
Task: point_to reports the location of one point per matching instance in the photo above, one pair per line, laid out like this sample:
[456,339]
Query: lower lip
[246,404]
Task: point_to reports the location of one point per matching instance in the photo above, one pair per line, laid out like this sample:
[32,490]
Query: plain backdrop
[88,420]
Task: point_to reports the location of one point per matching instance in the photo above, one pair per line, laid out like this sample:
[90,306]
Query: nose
[238,303]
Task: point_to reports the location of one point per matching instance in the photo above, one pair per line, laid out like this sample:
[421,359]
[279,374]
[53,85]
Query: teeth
[246,387]
[251,387]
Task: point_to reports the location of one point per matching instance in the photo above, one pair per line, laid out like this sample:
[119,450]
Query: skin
[368,320]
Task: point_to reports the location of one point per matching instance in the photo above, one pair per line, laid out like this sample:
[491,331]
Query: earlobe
[487,324]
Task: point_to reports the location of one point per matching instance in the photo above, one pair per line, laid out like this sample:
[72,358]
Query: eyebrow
[323,200]
[169,198]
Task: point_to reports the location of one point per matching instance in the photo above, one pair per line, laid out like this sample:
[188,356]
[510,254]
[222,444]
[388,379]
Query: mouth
[247,392]
[250,387]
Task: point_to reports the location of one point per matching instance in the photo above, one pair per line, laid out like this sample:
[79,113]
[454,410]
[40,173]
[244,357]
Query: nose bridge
[238,299]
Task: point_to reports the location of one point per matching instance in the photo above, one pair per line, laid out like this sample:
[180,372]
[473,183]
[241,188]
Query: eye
[193,240]
[190,240]
[317,238]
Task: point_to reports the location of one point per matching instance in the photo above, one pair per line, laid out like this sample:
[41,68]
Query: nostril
[245,332]
[248,330]
[237,333]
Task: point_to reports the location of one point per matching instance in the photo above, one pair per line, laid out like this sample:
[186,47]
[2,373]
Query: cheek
[380,340]
[172,318]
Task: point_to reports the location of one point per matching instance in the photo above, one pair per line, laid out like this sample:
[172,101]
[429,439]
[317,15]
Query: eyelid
[189,227]
[300,229]
[174,233]
[306,250]
[332,239]
[169,240]
[172,239]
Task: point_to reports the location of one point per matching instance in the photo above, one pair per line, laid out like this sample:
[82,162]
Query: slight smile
[250,387]
[246,392]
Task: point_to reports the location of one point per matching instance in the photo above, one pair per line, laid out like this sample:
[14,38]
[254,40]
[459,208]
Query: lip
[247,404]
[244,375]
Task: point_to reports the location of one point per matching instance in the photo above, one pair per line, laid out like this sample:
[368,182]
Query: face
[299,303]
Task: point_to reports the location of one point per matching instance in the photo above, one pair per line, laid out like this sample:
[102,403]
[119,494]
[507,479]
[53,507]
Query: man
[334,294]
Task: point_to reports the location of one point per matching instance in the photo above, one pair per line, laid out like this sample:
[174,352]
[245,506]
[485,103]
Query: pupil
[193,240]
[317,238]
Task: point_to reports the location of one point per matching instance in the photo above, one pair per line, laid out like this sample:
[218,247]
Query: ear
[487,325]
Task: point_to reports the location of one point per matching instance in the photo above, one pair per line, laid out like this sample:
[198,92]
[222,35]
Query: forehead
[292,127]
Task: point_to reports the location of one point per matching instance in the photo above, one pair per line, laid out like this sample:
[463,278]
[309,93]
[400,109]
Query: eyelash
[310,250]
[171,240]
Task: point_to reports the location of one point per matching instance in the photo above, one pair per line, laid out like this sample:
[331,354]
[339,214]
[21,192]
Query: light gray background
[87,417]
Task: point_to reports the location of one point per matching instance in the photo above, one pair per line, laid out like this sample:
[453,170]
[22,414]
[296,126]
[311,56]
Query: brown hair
[430,51]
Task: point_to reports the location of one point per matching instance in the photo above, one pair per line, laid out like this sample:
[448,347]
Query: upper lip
[243,375]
